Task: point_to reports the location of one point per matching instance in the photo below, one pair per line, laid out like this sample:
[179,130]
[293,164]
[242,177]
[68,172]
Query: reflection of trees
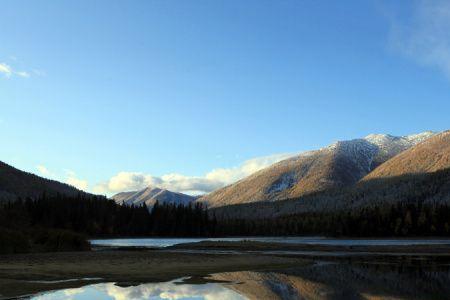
[344,281]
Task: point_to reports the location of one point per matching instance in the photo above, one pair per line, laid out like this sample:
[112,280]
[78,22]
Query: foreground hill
[16,183]
[339,165]
[420,174]
[149,196]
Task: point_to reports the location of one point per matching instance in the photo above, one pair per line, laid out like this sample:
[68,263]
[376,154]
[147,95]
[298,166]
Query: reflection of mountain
[257,285]
[339,281]
[320,281]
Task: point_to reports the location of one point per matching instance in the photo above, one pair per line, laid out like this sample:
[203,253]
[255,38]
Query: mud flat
[264,247]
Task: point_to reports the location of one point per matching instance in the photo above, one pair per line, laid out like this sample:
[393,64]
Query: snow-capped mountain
[341,164]
[430,156]
[150,195]
[419,173]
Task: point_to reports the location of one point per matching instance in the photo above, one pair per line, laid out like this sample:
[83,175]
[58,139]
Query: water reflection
[163,290]
[344,281]
[323,280]
[165,242]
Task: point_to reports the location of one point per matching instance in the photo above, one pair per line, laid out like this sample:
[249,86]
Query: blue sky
[192,95]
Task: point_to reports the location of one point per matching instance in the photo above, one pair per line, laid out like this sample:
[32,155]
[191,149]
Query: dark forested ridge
[15,183]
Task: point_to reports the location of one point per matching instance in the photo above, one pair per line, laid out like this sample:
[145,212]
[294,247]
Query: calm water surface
[165,242]
[162,290]
[323,280]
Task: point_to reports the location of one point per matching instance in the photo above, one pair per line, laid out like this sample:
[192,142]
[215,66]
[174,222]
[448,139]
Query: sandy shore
[23,274]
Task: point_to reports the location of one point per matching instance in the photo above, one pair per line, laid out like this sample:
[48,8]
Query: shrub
[13,241]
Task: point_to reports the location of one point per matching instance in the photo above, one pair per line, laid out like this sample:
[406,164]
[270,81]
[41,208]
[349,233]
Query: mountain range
[345,174]
[339,165]
[421,172]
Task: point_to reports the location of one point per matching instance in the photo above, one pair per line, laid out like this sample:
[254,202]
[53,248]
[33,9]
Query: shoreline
[25,274]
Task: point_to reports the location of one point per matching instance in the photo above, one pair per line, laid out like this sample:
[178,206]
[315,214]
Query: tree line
[61,223]
[408,206]
[386,220]
[100,217]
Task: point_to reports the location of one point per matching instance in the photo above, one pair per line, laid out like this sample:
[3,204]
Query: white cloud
[8,71]
[76,182]
[5,69]
[217,178]
[70,177]
[23,74]
[44,171]
[425,35]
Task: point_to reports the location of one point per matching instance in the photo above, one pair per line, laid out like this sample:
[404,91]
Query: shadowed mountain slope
[16,183]
[427,188]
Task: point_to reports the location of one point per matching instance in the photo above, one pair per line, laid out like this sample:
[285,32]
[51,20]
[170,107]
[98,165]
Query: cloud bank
[72,180]
[194,185]
[44,171]
[424,35]
[217,178]
[70,177]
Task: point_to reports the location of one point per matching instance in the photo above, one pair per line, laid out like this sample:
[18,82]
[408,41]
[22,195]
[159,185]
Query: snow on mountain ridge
[382,140]
[365,153]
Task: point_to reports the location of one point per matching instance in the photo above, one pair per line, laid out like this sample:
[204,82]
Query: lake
[321,280]
[165,242]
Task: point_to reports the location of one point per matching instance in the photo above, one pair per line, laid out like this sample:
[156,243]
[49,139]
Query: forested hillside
[15,183]
[429,188]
